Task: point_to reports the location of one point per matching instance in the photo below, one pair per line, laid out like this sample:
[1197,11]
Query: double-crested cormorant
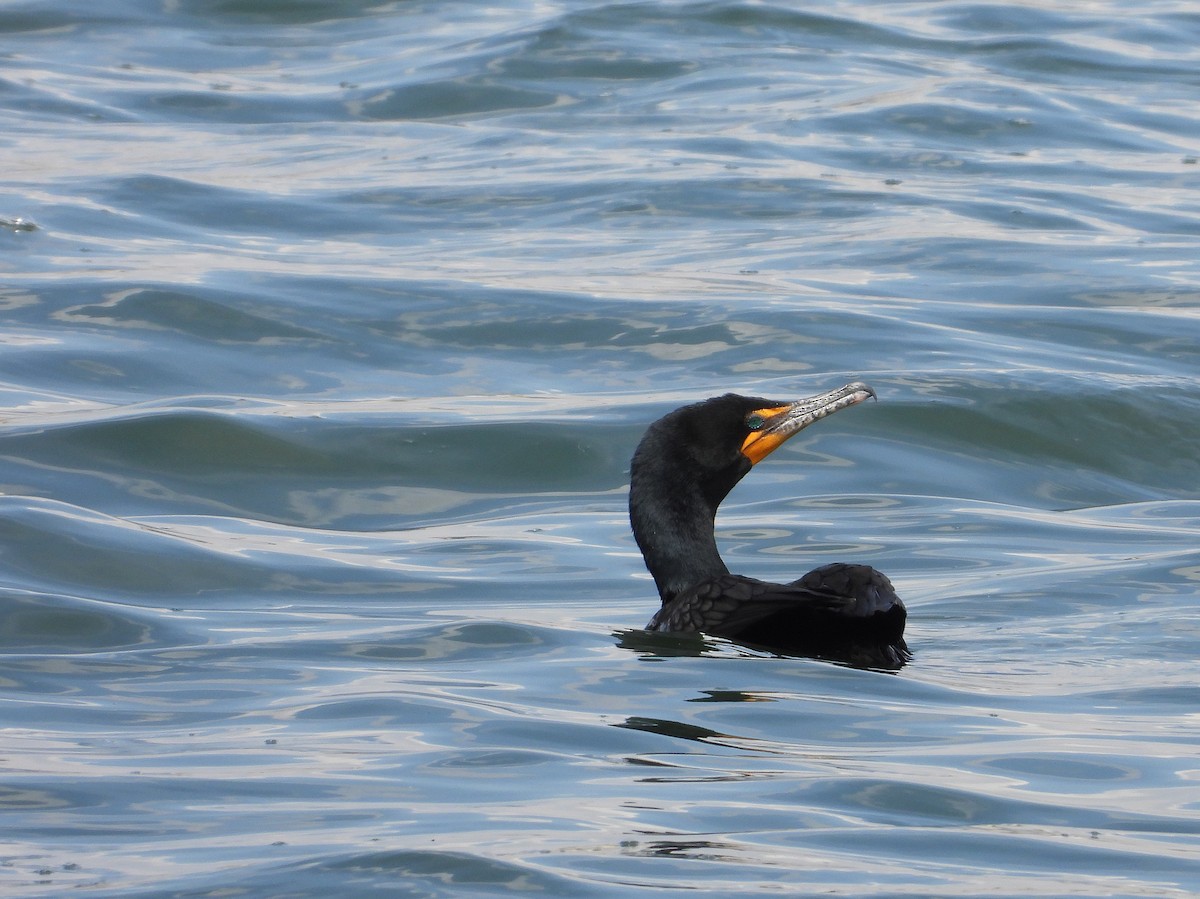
[686,464]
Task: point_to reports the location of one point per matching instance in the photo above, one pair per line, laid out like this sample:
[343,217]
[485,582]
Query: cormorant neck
[673,515]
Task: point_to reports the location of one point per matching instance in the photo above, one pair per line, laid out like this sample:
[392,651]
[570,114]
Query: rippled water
[328,331]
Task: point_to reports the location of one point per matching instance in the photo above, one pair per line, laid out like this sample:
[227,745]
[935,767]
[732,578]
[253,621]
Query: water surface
[328,333]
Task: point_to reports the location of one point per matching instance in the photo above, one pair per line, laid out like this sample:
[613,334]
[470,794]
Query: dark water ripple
[326,336]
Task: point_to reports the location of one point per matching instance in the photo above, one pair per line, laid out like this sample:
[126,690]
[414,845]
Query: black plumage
[685,465]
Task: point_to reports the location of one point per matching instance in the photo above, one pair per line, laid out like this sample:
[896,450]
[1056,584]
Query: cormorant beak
[781,422]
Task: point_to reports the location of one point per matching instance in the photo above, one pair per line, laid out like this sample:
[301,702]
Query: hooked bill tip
[861,387]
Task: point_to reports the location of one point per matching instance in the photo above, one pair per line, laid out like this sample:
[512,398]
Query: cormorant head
[714,443]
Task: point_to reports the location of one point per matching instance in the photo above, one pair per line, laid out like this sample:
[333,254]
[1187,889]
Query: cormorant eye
[755,421]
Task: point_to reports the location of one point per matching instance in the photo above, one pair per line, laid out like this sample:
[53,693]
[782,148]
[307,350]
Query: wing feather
[832,611]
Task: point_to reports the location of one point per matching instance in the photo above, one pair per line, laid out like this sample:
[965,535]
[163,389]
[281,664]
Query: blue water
[327,333]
